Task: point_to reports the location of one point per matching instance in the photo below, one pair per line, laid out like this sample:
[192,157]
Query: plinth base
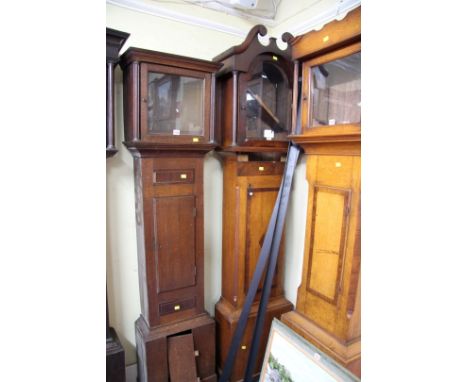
[227,318]
[152,348]
[347,354]
[115,359]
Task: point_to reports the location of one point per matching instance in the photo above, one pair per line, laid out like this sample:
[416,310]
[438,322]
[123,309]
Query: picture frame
[290,358]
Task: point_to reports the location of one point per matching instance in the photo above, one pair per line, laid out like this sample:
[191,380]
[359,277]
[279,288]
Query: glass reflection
[266,101]
[336,92]
[175,104]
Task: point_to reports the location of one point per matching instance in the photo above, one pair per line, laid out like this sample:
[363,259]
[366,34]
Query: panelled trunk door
[328,287]
[260,204]
[174,241]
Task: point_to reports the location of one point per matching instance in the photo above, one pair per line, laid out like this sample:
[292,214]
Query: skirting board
[131,373]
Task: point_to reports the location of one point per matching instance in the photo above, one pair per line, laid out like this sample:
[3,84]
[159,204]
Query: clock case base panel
[115,359]
[227,318]
[152,348]
[347,354]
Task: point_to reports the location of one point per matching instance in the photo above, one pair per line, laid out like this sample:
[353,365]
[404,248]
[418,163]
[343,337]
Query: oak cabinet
[328,308]
[253,121]
[168,129]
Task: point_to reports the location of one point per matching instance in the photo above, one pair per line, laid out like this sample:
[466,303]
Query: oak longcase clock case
[253,121]
[328,308]
[168,104]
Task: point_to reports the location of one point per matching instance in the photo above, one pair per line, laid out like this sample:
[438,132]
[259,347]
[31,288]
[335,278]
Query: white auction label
[268,134]
[176,132]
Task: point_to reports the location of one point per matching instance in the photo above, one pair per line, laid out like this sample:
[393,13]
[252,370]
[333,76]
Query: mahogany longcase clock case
[328,309]
[169,127]
[253,121]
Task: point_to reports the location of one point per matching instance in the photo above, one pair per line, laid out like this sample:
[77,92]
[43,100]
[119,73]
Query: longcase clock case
[253,121]
[328,309]
[168,102]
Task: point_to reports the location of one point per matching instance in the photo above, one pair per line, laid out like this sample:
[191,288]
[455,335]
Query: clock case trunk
[249,195]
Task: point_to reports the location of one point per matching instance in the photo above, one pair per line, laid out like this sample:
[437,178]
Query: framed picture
[290,358]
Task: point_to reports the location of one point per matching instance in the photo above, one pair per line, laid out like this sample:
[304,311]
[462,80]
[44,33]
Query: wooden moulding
[114,42]
[330,37]
[149,149]
[240,57]
[167,59]
[331,141]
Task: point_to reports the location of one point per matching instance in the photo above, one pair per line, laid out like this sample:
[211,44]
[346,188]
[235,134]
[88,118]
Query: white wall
[161,34]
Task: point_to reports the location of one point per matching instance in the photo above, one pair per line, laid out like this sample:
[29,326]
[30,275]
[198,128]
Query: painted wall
[162,34]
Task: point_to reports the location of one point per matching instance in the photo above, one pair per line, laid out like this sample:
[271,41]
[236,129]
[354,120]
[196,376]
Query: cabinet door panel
[328,293]
[260,204]
[174,223]
[329,228]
